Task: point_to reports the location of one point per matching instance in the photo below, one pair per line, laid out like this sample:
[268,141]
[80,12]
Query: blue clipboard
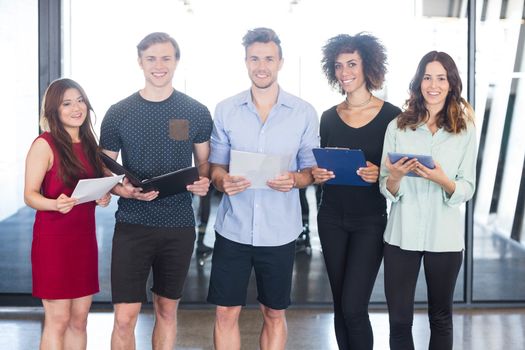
[344,163]
[422,158]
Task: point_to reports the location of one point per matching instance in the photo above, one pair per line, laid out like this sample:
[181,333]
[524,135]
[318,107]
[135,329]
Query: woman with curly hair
[352,219]
[64,250]
[425,221]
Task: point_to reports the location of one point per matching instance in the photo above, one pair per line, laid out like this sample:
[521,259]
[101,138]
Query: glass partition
[19,115]
[99,51]
[499,251]
[103,59]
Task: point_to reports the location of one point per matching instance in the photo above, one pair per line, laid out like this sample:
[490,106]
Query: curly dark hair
[455,113]
[262,35]
[372,52]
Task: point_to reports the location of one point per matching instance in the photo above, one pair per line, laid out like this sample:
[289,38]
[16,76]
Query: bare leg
[275,331]
[123,335]
[75,337]
[56,321]
[165,329]
[226,335]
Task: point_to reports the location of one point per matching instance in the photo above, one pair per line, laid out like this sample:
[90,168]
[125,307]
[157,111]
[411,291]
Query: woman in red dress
[64,249]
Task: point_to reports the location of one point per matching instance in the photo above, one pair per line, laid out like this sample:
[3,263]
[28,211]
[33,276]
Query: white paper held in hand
[258,167]
[92,189]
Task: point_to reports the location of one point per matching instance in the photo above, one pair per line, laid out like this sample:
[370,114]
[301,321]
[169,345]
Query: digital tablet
[426,160]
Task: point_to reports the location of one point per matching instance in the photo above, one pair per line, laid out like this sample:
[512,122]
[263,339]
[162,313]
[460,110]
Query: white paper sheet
[258,167]
[93,189]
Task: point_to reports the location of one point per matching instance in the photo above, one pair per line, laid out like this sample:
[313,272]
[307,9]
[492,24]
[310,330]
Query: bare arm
[39,160]
[397,171]
[223,182]
[286,182]
[201,152]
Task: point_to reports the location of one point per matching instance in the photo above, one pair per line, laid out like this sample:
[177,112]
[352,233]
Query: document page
[92,189]
[258,167]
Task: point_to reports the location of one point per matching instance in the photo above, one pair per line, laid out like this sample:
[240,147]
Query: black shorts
[231,268]
[138,249]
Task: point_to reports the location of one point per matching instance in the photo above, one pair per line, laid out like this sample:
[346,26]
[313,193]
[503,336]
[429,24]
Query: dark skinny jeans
[401,272]
[352,250]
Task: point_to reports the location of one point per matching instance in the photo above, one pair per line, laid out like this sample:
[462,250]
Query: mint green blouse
[423,217]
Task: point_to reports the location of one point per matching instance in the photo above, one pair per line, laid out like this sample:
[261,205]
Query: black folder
[344,163]
[167,184]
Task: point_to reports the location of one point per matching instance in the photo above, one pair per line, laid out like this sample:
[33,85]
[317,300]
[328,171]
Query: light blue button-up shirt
[423,217]
[263,217]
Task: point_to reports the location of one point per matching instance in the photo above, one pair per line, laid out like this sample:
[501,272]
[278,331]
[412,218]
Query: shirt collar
[283,98]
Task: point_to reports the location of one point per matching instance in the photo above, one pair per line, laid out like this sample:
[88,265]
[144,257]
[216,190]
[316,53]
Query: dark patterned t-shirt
[156,138]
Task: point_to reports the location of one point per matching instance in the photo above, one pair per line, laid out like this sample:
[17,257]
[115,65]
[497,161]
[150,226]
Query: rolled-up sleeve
[389,145]
[309,140]
[466,176]
[220,143]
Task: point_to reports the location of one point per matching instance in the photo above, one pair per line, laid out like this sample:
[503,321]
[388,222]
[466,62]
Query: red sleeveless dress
[64,252]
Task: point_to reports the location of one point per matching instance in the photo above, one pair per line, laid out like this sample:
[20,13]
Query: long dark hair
[456,112]
[70,168]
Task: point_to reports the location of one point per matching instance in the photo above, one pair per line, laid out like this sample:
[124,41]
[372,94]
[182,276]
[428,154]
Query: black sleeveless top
[356,201]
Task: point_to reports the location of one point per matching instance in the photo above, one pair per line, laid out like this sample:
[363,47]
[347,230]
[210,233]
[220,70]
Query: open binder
[344,163]
[167,184]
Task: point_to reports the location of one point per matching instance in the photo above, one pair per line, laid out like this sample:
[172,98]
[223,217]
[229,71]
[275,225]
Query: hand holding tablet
[426,160]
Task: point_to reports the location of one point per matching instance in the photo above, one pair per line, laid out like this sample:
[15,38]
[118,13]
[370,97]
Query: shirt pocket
[179,129]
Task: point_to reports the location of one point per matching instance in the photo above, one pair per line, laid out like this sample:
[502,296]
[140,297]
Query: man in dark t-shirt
[157,130]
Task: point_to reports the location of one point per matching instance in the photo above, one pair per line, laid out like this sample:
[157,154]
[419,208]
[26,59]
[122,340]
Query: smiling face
[349,72]
[72,112]
[158,63]
[435,86]
[263,64]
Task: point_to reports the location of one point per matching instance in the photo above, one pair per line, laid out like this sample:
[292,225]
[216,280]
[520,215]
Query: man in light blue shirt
[257,228]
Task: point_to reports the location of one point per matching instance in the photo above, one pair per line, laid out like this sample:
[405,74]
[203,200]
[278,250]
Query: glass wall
[19,117]
[499,251]
[103,57]
[99,51]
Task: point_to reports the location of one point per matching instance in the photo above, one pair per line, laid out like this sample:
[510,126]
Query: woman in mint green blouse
[425,221]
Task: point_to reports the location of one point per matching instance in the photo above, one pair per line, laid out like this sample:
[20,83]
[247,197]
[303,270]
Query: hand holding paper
[104,201]
[235,184]
[282,183]
[92,189]
[258,168]
[64,204]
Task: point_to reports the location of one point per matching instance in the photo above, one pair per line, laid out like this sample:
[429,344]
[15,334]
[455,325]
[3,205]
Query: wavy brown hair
[456,112]
[70,167]
[372,52]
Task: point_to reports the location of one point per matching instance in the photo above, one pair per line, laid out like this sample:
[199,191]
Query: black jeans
[401,271]
[352,250]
